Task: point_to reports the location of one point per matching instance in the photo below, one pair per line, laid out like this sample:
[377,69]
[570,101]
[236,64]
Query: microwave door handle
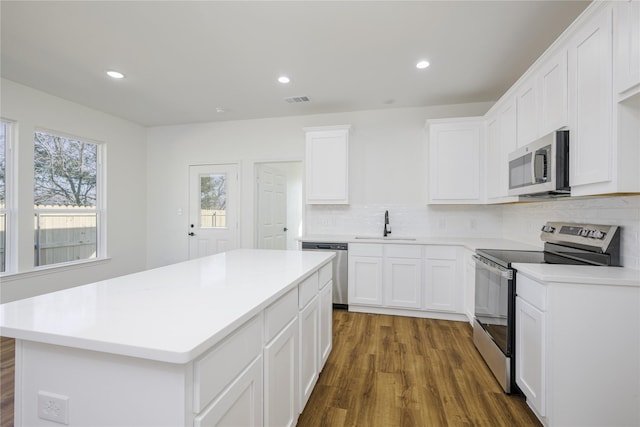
[494,268]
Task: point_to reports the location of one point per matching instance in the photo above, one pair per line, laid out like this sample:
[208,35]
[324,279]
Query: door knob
[285,229]
[192,234]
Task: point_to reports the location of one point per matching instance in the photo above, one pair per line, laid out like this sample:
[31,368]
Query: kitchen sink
[384,238]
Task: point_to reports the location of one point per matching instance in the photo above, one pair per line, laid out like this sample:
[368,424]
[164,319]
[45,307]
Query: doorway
[213,209]
[278,189]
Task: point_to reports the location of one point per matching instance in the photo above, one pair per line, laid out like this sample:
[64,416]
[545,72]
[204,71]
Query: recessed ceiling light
[221,110]
[422,65]
[115,74]
[284,79]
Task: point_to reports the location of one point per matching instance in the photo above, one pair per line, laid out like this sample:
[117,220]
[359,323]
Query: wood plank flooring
[7,369]
[402,371]
[385,371]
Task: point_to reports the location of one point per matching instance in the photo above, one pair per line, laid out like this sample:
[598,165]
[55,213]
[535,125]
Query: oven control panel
[592,235]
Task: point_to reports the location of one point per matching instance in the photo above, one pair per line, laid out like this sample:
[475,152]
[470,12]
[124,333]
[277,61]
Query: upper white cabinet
[541,101]
[553,90]
[327,164]
[590,101]
[627,46]
[501,140]
[456,150]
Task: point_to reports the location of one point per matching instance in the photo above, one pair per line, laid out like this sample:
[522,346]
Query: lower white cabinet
[578,351]
[530,351]
[326,322]
[420,280]
[309,349]
[281,378]
[443,288]
[240,404]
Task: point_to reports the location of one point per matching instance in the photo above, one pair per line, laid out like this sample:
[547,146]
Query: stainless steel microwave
[541,168]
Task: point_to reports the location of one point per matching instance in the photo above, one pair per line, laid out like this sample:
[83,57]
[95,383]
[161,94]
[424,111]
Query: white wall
[126,188]
[387,163]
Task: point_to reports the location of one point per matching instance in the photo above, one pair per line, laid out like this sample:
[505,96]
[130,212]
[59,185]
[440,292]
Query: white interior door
[213,209]
[272,208]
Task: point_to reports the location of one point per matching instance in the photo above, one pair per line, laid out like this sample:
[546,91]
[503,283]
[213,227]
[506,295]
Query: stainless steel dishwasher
[340,272]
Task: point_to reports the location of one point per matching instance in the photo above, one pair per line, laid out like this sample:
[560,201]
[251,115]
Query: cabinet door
[240,404]
[440,285]
[553,81]
[494,158]
[327,166]
[455,153]
[281,378]
[530,354]
[627,44]
[403,282]
[326,323]
[590,101]
[365,280]
[527,112]
[309,349]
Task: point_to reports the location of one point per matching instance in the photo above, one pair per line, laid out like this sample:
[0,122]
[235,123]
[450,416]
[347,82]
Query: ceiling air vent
[297,99]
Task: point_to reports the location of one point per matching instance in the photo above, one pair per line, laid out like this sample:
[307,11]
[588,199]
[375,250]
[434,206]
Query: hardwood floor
[7,363]
[402,371]
[385,371]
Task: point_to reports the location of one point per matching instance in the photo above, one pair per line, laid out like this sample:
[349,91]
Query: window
[5,134]
[213,201]
[66,199]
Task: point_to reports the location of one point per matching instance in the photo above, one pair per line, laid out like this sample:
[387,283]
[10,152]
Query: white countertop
[171,314]
[580,274]
[471,243]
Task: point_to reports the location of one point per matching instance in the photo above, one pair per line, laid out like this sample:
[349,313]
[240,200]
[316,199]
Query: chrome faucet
[387,226]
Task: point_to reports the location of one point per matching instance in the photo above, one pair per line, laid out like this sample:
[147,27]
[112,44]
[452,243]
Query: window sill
[57,268]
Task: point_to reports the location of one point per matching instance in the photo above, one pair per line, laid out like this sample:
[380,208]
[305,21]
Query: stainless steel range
[495,285]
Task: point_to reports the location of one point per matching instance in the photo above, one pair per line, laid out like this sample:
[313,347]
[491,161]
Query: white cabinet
[406,279]
[469,284]
[542,101]
[441,287]
[402,268]
[456,148]
[527,112]
[326,322]
[590,101]
[309,349]
[627,46]
[365,274]
[240,404]
[281,406]
[327,165]
[501,140]
[553,93]
[577,351]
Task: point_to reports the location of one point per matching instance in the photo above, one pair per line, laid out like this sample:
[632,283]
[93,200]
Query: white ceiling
[184,59]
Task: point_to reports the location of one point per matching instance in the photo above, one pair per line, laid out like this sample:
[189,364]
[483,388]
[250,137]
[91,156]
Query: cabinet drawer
[325,273]
[533,292]
[279,314]
[440,252]
[403,251]
[214,371]
[365,249]
[307,289]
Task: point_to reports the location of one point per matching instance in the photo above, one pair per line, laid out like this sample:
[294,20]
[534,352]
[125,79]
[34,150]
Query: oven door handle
[493,267]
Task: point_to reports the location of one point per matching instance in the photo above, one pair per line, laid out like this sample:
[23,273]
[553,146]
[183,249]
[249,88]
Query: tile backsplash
[520,222]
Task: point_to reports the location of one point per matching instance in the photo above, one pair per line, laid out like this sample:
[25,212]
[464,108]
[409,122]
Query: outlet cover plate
[53,407]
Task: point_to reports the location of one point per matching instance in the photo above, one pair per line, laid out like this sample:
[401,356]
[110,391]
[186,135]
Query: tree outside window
[65,199]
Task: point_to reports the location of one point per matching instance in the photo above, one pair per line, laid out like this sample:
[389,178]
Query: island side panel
[103,389]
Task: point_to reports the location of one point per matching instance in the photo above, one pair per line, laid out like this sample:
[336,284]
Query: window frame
[11,217]
[100,208]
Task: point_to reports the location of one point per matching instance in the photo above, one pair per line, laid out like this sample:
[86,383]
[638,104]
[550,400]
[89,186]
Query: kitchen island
[203,342]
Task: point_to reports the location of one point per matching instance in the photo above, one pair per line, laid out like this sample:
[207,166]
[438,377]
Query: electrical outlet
[53,407]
